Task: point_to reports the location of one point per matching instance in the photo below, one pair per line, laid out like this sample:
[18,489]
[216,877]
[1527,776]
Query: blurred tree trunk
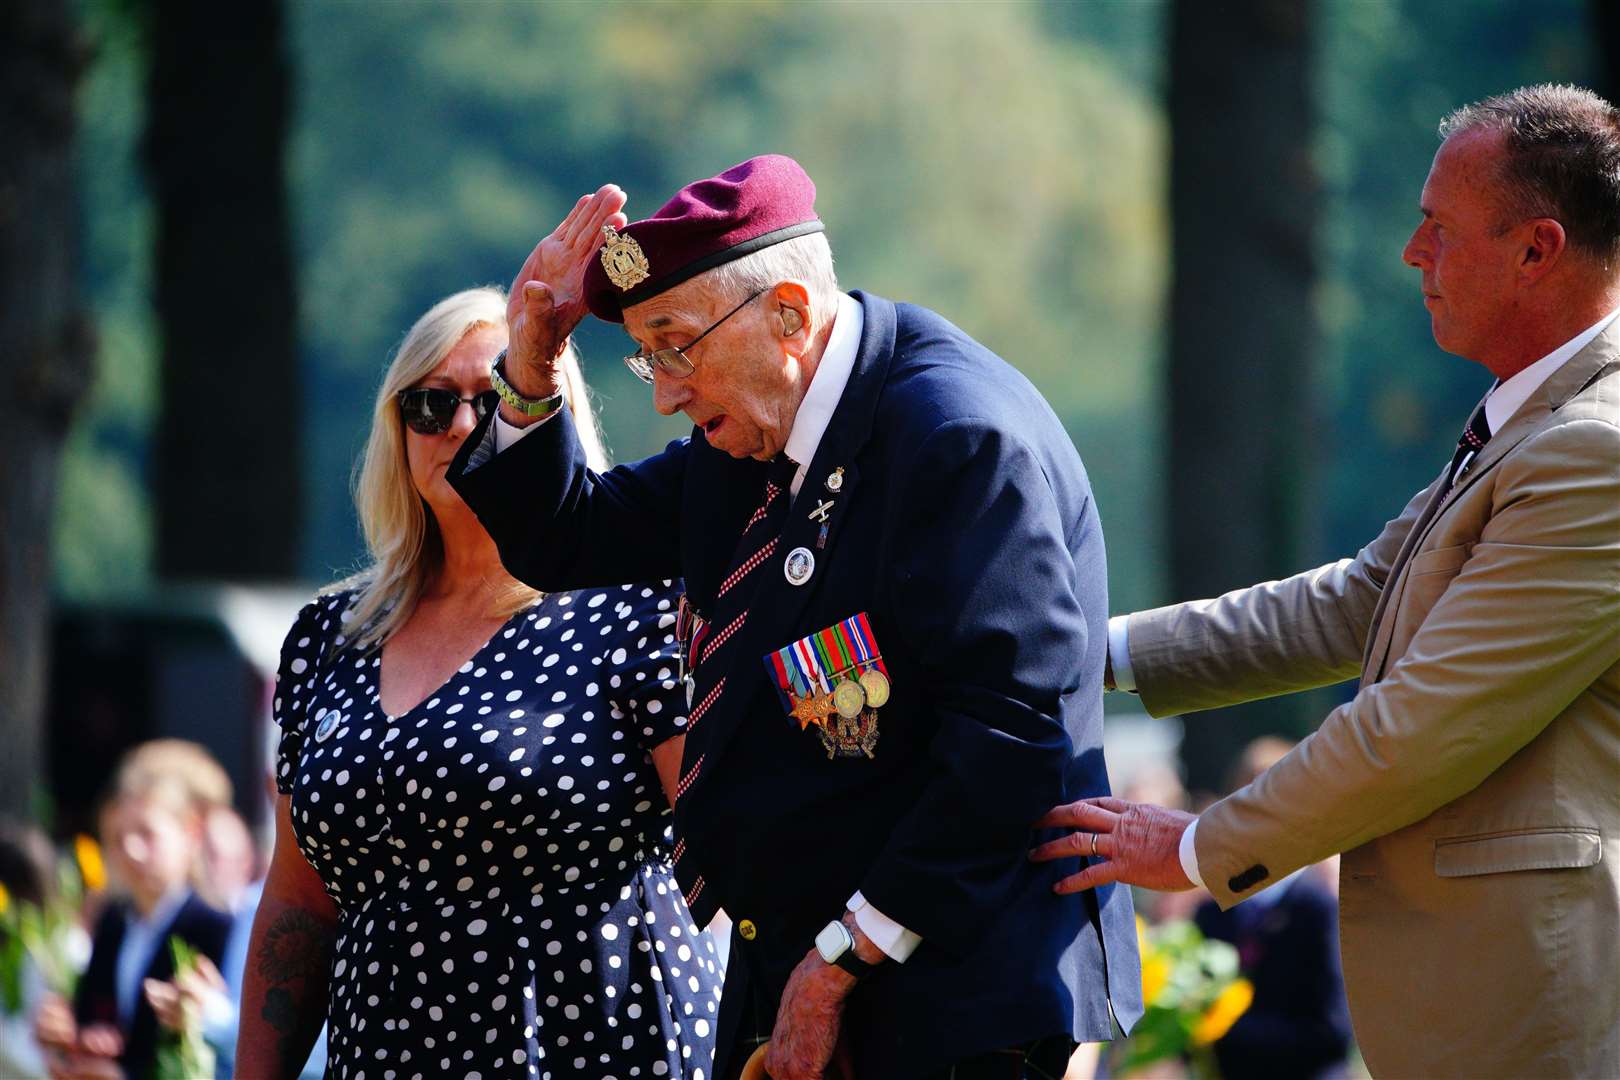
[45,356]
[1244,201]
[230,433]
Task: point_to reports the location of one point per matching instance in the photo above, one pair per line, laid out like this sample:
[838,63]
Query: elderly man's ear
[792,302]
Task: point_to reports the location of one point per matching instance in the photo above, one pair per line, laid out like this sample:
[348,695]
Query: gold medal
[849,698]
[622,258]
[876,686]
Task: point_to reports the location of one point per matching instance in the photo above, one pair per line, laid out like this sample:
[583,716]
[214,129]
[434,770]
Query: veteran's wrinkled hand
[805,1042]
[548,297]
[1136,843]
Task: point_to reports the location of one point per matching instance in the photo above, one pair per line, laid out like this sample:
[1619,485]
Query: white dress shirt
[809,425]
[1503,401]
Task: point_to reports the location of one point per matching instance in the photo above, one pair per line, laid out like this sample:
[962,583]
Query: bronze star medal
[813,710]
[622,258]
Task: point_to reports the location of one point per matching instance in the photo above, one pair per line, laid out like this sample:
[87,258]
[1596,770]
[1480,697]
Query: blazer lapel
[776,607]
[1581,369]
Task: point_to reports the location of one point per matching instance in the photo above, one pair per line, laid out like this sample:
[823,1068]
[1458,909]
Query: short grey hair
[805,258]
[1562,160]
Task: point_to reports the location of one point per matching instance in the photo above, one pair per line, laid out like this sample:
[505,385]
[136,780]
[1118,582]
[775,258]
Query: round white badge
[799,566]
[328,724]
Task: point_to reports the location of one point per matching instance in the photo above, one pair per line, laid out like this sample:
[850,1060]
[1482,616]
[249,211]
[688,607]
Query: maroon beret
[708,223]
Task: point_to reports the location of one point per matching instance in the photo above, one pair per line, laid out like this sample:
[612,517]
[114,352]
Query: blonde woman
[471,875]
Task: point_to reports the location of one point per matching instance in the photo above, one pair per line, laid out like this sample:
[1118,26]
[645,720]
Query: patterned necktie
[711,647]
[1472,441]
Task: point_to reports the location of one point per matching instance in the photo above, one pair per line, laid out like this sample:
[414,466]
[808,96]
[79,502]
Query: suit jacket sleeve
[1530,621]
[983,592]
[1274,638]
[559,525]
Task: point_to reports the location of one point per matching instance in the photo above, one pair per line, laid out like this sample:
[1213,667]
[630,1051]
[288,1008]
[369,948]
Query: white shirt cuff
[1189,855]
[1119,653]
[896,941]
[506,434]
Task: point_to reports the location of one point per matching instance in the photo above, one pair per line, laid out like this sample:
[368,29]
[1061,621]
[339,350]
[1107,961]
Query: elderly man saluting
[1473,783]
[894,630]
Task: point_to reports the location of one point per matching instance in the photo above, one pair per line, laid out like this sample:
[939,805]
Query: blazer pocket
[1440,560]
[1534,849]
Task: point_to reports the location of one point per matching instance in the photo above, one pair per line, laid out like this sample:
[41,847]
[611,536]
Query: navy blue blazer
[95,998]
[966,530]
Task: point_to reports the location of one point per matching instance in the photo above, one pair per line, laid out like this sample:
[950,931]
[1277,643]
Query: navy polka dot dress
[499,854]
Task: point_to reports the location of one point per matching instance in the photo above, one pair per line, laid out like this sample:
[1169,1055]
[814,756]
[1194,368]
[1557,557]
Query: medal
[876,686]
[799,565]
[851,736]
[328,724]
[834,679]
[849,699]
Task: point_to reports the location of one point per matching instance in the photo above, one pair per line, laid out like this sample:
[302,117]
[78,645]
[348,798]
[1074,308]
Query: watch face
[833,941]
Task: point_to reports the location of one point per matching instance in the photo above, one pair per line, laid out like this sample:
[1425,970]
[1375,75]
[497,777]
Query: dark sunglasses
[430,410]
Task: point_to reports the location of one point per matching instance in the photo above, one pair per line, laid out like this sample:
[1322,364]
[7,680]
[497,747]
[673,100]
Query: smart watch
[837,946]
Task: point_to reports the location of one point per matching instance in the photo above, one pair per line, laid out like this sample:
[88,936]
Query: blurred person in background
[27,876]
[470,872]
[215,995]
[1287,938]
[151,834]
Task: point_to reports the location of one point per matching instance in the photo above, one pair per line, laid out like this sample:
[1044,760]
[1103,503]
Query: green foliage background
[1002,163]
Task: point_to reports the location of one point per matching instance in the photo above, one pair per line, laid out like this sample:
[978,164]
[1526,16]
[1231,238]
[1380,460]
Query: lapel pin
[799,566]
[835,480]
[820,512]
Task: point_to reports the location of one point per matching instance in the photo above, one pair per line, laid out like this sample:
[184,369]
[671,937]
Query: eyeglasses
[430,410]
[672,361]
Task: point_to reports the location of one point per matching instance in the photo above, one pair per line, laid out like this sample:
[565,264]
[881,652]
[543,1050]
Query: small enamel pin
[798,567]
[328,724]
[835,480]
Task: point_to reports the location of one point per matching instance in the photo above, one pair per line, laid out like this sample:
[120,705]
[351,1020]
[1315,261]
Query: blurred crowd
[124,956]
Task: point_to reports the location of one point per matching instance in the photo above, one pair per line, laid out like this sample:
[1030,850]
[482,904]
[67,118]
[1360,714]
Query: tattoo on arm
[294,947]
[293,961]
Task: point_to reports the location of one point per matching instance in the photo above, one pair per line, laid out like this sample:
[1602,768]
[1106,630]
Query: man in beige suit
[1473,783]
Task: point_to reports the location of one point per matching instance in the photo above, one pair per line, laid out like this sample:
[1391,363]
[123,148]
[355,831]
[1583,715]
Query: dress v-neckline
[437,692]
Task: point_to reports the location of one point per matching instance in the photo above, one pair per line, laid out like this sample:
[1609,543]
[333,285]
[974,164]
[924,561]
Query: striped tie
[712,645]
[1469,444]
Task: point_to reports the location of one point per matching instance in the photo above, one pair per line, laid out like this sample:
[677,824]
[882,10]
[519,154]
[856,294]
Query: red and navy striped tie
[711,647]
[1472,441]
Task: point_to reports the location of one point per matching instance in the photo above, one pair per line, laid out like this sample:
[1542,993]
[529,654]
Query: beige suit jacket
[1473,784]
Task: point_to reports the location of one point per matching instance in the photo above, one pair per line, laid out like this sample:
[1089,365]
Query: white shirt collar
[1506,398]
[826,387]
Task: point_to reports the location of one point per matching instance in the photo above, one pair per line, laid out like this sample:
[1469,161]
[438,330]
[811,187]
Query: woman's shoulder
[635,602]
[322,621]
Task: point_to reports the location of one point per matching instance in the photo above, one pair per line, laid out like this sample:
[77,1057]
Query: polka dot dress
[499,854]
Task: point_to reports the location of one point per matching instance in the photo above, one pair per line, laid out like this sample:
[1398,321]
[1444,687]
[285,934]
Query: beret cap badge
[623,259]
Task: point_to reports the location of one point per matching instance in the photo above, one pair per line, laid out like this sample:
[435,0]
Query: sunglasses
[430,410]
